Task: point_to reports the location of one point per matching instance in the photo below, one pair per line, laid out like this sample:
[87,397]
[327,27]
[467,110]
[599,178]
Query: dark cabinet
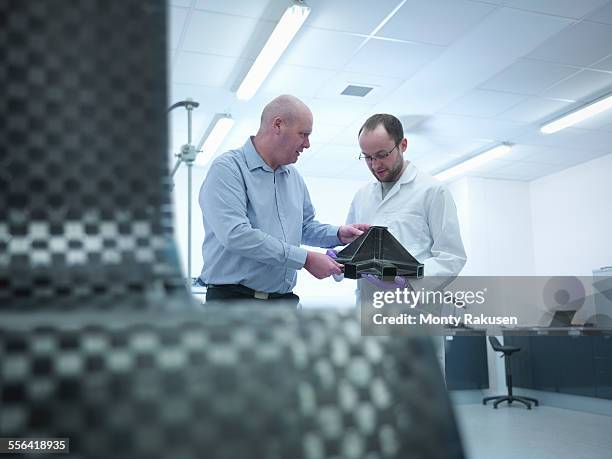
[466,362]
[602,349]
[570,364]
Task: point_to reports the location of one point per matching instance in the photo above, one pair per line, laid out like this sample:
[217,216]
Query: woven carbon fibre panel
[228,383]
[84,201]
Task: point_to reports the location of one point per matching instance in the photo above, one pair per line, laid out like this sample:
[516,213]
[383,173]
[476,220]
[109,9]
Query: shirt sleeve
[448,253]
[223,200]
[314,233]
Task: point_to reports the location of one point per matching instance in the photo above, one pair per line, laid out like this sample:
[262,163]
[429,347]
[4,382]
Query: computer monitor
[562,318]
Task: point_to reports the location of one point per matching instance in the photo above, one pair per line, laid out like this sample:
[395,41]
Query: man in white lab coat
[416,208]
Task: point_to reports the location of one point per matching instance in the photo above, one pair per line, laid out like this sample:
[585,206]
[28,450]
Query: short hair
[392,125]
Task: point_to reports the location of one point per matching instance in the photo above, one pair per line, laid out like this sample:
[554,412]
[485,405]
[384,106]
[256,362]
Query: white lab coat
[420,212]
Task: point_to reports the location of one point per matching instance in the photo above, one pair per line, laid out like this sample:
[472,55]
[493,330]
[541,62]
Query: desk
[570,360]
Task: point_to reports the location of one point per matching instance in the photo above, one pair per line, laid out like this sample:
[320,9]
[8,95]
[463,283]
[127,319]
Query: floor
[541,433]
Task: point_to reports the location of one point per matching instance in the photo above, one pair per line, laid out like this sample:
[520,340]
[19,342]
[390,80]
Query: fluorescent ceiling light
[577,116]
[474,162]
[214,139]
[283,33]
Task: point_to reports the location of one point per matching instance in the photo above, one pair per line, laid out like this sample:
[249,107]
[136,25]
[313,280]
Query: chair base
[510,398]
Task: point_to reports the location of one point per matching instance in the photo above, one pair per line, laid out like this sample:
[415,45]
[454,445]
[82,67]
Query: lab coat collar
[409,174]
[254,160]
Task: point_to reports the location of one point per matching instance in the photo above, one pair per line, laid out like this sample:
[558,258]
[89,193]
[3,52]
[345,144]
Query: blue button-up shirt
[254,221]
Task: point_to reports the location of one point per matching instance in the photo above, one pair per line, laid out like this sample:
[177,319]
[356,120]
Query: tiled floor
[542,433]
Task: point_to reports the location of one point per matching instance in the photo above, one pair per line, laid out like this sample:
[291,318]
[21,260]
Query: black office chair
[507,352]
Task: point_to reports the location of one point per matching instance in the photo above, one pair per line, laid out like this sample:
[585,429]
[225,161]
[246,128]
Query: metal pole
[187,155]
[189,167]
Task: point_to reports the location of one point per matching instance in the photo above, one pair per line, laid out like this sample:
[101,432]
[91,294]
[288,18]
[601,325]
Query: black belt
[249,292]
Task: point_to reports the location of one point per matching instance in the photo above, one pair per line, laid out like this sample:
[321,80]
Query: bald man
[257,211]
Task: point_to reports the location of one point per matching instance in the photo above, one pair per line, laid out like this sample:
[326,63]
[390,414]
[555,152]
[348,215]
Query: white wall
[572,219]
[495,221]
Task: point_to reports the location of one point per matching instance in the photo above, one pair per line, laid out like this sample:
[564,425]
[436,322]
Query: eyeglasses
[379,156]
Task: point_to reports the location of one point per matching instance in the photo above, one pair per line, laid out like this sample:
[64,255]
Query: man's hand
[398,282]
[333,254]
[321,266]
[348,233]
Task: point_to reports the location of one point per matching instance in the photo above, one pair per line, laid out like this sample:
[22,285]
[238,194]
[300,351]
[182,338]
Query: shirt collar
[254,160]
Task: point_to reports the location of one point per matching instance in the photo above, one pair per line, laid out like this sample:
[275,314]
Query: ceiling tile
[382,57]
[270,10]
[472,127]
[383,86]
[226,35]
[580,44]
[206,69]
[527,169]
[338,113]
[183,3]
[479,102]
[490,47]
[308,46]
[603,14]
[546,154]
[583,86]
[555,156]
[523,152]
[348,135]
[522,171]
[358,16]
[528,77]
[604,64]
[483,73]
[457,147]
[490,166]
[502,174]
[439,22]
[324,133]
[565,158]
[571,138]
[567,8]
[535,110]
[297,80]
[176,24]
[432,163]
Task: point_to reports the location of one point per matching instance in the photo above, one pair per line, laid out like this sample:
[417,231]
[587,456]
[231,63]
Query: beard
[391,174]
